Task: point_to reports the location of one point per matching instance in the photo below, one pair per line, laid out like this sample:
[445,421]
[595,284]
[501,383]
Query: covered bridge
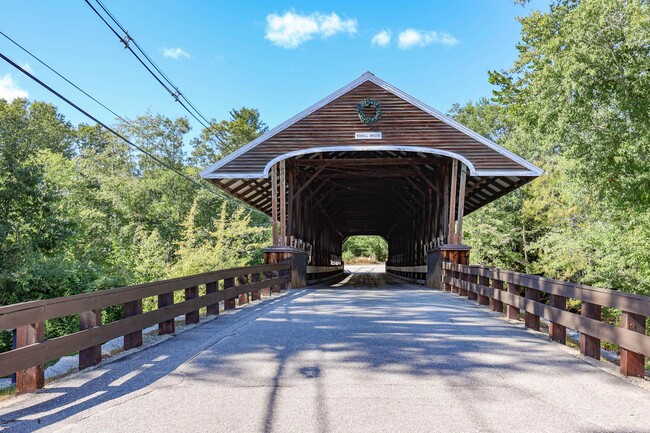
[369,160]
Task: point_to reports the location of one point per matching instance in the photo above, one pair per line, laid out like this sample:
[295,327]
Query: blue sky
[279,57]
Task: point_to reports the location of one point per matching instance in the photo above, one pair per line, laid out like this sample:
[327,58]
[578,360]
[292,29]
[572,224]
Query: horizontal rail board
[608,298]
[39,353]
[323,269]
[422,269]
[625,338]
[13,316]
[324,279]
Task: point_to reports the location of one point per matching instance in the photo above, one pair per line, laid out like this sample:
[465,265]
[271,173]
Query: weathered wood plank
[632,363]
[192,316]
[92,355]
[29,376]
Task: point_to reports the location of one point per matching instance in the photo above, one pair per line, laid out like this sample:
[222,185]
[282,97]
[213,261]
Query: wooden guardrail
[320,274]
[28,318]
[412,274]
[540,297]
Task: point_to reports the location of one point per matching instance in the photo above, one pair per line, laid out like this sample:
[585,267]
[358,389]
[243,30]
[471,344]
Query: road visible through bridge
[368,354]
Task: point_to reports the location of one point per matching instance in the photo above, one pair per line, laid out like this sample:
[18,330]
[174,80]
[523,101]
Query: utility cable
[108,128]
[170,87]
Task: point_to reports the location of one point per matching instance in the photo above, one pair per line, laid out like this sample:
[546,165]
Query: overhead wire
[170,87]
[108,128]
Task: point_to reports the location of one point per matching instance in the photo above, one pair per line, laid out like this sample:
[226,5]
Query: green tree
[224,137]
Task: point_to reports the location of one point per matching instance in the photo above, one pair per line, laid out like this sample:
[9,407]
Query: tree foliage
[80,210]
[373,247]
[576,103]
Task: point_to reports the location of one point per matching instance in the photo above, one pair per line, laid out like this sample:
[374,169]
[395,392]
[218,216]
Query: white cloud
[382,38]
[175,53]
[26,67]
[410,38]
[10,90]
[292,29]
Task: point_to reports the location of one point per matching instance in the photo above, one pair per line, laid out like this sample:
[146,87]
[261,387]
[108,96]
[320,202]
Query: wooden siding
[402,124]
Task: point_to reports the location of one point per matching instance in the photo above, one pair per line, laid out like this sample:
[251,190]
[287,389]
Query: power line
[170,87]
[111,130]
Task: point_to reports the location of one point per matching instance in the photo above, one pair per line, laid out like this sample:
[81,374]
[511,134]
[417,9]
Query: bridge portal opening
[365,254]
[407,174]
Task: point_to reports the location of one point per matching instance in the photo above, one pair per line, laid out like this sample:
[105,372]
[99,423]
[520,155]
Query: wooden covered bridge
[346,351]
[369,160]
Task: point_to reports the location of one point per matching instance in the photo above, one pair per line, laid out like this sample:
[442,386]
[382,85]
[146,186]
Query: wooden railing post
[256,294]
[590,346]
[277,288]
[556,331]
[134,339]
[450,274]
[266,291]
[512,311]
[166,326]
[229,303]
[192,316]
[90,356]
[242,280]
[482,299]
[532,320]
[463,276]
[213,287]
[471,294]
[30,379]
[632,363]
[497,305]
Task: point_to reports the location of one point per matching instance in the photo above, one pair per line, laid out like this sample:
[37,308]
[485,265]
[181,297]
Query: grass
[362,261]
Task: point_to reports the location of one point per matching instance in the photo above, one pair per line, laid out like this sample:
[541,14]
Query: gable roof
[482,156]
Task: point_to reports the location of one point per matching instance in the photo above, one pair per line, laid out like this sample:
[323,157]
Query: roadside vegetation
[364,250]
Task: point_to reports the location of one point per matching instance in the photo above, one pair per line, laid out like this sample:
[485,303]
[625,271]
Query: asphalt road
[361,356]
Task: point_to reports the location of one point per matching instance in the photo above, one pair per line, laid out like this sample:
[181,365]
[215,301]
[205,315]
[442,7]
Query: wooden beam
[461,203]
[283,203]
[274,203]
[451,236]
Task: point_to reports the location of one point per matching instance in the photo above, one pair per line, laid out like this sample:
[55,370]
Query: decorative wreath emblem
[369,103]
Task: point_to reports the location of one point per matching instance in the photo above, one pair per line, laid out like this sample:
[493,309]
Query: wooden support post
[242,280]
[461,205]
[229,303]
[266,291]
[590,346]
[134,339]
[512,311]
[465,277]
[455,288]
[472,295]
[192,316]
[632,363]
[497,305]
[90,356]
[274,203]
[482,299]
[532,320]
[31,379]
[277,288]
[283,203]
[451,237]
[256,295]
[556,331]
[212,309]
[166,326]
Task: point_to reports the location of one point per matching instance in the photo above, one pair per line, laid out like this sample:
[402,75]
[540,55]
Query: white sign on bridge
[367,135]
